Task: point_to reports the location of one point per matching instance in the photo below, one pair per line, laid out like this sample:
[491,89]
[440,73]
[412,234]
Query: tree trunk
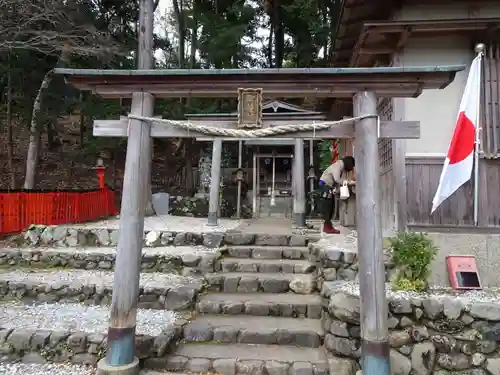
[10,143]
[279,34]
[194,36]
[333,15]
[82,121]
[179,17]
[194,42]
[52,142]
[324,15]
[34,143]
[189,168]
[270,46]
[35,136]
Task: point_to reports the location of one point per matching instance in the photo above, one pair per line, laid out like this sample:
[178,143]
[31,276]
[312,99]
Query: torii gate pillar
[374,332]
[213,204]
[300,187]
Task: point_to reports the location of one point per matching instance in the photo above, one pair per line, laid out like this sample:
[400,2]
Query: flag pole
[480,51]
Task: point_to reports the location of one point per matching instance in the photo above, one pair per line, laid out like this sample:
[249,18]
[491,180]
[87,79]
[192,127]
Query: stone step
[261,304]
[107,235]
[264,265]
[267,330]
[231,359]
[250,282]
[158,290]
[267,252]
[74,332]
[172,259]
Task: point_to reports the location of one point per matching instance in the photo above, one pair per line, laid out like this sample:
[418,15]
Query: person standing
[330,181]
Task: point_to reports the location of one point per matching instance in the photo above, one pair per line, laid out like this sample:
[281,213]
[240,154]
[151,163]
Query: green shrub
[412,255]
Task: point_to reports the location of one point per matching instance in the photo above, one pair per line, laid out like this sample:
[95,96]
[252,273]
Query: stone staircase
[261,314]
[227,303]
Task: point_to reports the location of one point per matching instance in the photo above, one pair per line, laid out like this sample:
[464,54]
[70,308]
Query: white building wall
[437,109]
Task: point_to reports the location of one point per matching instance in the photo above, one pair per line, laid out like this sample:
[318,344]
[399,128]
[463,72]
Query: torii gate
[364,85]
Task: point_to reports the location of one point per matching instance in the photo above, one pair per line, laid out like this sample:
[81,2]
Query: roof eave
[320,82]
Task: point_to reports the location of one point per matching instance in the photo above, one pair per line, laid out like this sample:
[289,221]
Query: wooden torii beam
[361,84]
[388,129]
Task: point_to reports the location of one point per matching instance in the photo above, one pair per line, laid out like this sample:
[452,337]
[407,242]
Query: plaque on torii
[249,108]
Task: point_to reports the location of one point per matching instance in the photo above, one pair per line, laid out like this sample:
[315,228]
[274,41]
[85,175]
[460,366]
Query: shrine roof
[274,109]
[294,82]
[381,40]
[355,14]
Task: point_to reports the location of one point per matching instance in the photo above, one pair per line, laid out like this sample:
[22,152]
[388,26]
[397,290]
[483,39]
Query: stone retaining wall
[65,236]
[77,347]
[428,335]
[175,298]
[188,263]
[338,264]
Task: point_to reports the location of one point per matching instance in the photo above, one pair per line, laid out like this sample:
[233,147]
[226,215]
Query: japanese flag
[457,168]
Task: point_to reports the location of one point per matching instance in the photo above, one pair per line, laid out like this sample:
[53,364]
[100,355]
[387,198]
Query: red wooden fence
[19,208]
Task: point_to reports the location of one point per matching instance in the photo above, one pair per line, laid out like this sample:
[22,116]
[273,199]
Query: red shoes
[329,229]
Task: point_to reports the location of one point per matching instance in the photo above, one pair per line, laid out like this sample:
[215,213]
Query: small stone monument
[161,203]
[204,170]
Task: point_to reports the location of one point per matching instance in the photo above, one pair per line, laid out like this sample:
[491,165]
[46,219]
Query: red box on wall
[463,272]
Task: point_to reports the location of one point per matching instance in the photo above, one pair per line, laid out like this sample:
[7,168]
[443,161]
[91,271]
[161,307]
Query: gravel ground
[50,369]
[333,242]
[167,223]
[470,296]
[77,317]
[97,278]
[53,369]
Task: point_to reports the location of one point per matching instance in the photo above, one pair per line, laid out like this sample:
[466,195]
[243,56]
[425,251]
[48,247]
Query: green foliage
[324,154]
[216,34]
[412,255]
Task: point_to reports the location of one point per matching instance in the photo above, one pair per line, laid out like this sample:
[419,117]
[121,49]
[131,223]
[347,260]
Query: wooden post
[240,163]
[311,165]
[120,357]
[300,206]
[374,332]
[255,185]
[213,204]
[399,170]
[146,62]
[121,333]
[294,183]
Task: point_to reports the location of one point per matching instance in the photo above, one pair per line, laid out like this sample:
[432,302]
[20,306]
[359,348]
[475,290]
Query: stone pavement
[166,223]
[271,226]
[347,239]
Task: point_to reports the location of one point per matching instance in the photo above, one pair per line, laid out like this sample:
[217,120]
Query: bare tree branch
[53,26]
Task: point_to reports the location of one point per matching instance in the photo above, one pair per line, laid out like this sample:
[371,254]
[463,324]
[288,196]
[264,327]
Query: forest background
[46,137]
